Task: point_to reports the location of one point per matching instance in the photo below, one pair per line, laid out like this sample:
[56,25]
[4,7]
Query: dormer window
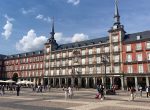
[138,37]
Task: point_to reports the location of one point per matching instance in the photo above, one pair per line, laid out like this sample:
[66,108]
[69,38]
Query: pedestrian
[98,91]
[3,89]
[147,91]
[102,92]
[66,93]
[70,92]
[140,89]
[132,93]
[18,89]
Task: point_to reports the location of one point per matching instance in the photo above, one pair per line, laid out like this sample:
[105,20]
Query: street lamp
[105,60]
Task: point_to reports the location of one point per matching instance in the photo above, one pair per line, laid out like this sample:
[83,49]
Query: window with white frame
[70,54]
[90,70]
[58,63]
[140,68]
[148,56]
[116,69]
[63,71]
[116,48]
[98,69]
[52,56]
[138,46]
[63,63]
[47,57]
[70,62]
[58,55]
[129,57]
[52,72]
[46,73]
[148,67]
[41,65]
[52,64]
[83,70]
[115,38]
[70,71]
[98,59]
[83,52]
[98,50]
[108,69]
[106,49]
[148,45]
[47,50]
[57,72]
[139,57]
[90,51]
[64,55]
[47,65]
[83,61]
[129,69]
[116,58]
[128,47]
[90,60]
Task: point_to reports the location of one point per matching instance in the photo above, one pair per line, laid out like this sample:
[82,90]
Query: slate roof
[38,52]
[2,56]
[145,35]
[83,43]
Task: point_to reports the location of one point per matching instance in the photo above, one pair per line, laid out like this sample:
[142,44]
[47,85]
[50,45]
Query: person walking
[3,89]
[147,91]
[132,93]
[140,89]
[18,90]
[66,92]
[70,92]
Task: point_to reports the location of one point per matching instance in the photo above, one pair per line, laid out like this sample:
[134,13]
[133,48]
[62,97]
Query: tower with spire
[116,36]
[51,41]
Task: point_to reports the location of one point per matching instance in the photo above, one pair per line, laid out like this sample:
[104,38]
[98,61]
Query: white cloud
[79,37]
[42,17]
[8,18]
[75,38]
[27,11]
[74,2]
[39,16]
[7,27]
[31,42]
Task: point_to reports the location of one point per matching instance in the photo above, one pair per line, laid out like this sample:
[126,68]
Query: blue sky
[25,25]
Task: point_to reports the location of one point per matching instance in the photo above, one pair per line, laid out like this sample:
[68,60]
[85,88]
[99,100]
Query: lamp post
[105,61]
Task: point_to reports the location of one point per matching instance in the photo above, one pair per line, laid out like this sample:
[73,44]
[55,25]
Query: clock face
[114,27]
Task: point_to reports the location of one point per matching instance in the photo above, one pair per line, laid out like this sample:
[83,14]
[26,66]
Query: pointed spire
[52,31]
[116,16]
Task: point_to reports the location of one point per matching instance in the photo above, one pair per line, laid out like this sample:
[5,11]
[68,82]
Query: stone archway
[117,82]
[15,77]
[69,81]
[99,81]
[83,82]
[91,83]
[63,81]
[107,82]
[76,82]
[142,81]
[130,82]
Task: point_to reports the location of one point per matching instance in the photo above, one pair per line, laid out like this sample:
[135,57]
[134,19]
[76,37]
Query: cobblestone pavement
[82,100]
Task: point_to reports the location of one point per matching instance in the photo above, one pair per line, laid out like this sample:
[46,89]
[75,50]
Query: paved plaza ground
[82,100]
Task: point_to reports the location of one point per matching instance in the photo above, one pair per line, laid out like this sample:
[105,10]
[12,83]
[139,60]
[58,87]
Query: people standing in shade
[18,89]
[140,89]
[147,91]
[132,93]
